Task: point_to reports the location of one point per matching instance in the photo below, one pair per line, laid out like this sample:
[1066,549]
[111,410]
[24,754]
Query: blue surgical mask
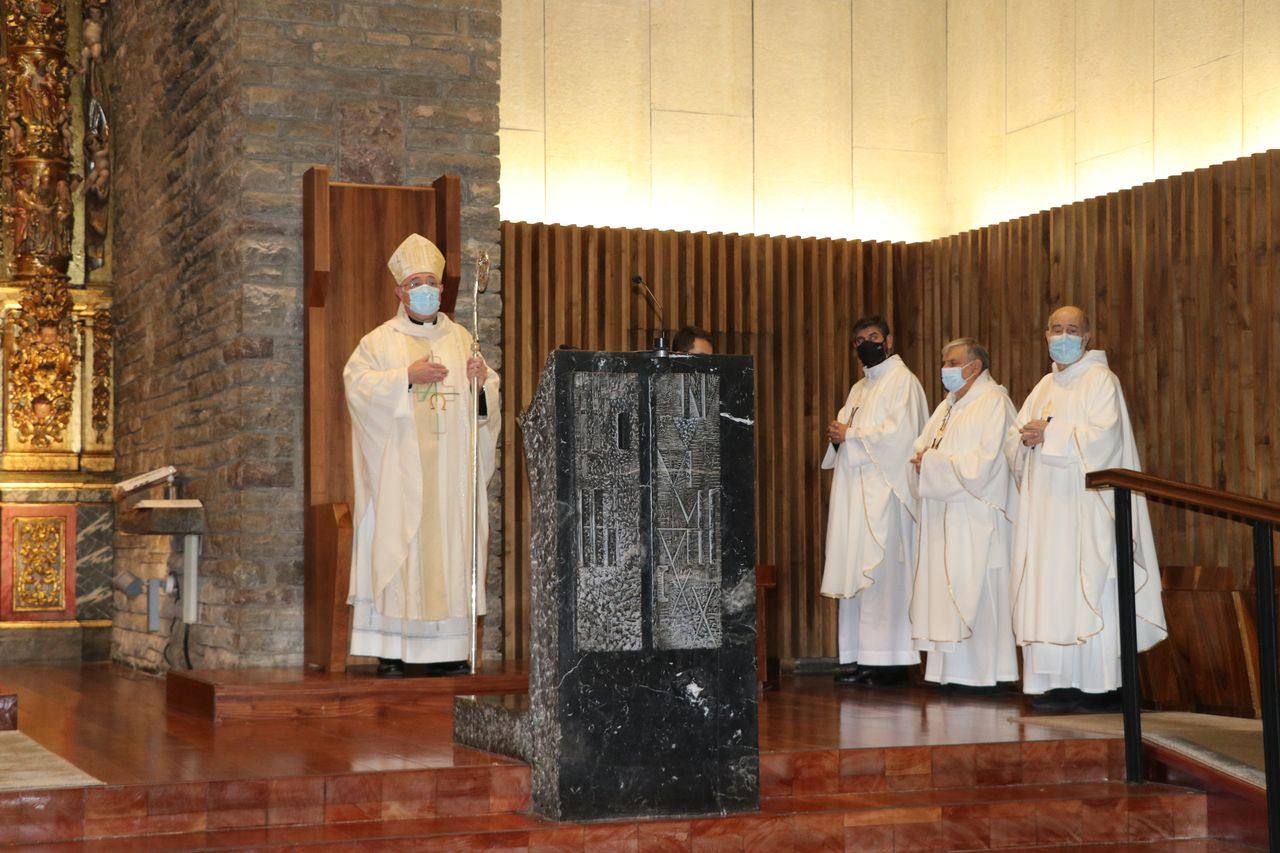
[1066,349]
[424,300]
[953,378]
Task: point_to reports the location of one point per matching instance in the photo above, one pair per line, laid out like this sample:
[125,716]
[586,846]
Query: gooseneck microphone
[659,343]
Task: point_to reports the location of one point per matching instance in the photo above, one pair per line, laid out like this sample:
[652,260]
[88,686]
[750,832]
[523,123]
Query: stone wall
[221,107]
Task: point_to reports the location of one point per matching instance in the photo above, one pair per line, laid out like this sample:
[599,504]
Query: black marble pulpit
[642,685]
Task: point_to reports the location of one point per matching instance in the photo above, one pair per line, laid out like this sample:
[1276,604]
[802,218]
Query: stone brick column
[220,108]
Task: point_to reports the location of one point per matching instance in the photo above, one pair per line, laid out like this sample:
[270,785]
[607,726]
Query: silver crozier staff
[478,503]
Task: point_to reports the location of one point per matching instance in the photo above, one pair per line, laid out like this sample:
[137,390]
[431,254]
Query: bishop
[408,387]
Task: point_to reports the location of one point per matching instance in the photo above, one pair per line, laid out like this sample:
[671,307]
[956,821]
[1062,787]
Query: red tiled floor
[295,801]
[1104,820]
[966,827]
[239,803]
[823,831]
[410,794]
[1150,819]
[1012,824]
[1058,822]
[998,764]
[873,839]
[955,766]
[1044,762]
[917,836]
[468,792]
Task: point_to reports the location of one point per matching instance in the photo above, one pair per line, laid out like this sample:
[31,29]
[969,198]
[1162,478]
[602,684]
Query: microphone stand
[659,343]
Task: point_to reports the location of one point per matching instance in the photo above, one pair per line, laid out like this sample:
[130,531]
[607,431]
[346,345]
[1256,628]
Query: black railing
[1263,516]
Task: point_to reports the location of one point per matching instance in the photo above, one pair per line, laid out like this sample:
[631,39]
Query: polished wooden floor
[114,724]
[841,768]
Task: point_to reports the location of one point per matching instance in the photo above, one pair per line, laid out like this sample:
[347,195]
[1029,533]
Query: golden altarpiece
[56,452]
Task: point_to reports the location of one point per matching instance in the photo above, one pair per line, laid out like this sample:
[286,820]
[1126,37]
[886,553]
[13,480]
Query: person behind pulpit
[694,341]
[408,387]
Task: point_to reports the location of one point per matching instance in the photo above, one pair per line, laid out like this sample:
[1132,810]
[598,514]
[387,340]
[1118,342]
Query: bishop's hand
[918,458]
[477,370]
[836,431]
[424,371]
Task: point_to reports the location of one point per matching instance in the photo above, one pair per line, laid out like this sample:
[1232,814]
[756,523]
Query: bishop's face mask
[1066,349]
[424,300]
[871,353]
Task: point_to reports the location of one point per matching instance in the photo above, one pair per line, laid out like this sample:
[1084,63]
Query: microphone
[660,343]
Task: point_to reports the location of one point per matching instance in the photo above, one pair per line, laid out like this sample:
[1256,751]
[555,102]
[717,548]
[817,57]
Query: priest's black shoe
[857,675]
[1098,703]
[390,668]
[438,669]
[886,676]
[1060,701]
[979,690]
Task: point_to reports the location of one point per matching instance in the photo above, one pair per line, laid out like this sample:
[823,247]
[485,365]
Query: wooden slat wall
[786,301]
[1181,278]
[1180,275]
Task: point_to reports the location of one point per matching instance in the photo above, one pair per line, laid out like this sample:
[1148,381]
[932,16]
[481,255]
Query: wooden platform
[840,768]
[292,692]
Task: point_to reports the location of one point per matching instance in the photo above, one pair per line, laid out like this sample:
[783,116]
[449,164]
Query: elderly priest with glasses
[960,605]
[1065,601]
[408,388]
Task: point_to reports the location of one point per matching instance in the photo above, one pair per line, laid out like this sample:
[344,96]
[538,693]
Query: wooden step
[490,787]
[1105,816]
[297,692]
[916,768]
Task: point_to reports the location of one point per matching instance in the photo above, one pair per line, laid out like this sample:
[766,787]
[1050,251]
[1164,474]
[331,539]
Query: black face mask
[871,353]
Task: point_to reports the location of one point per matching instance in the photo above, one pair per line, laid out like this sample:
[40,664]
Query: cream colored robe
[410,572]
[871,522]
[1064,555]
[960,601]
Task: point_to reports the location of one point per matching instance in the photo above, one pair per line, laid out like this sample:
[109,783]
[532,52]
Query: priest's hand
[476,369]
[424,371]
[918,458]
[836,431]
[1033,433]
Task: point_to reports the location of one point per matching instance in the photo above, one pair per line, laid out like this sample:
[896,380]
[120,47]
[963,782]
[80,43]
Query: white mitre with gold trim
[415,255]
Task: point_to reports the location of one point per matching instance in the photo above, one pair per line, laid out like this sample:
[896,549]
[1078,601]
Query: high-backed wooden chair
[349,231]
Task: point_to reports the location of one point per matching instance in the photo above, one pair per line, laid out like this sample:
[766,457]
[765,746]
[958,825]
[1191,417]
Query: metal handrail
[1261,515]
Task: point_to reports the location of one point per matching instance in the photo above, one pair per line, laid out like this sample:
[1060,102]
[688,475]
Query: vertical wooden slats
[1181,277]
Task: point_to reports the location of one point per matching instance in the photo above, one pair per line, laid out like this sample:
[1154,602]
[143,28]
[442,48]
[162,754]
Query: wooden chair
[349,231]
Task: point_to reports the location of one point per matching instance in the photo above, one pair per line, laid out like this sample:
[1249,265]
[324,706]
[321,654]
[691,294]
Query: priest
[409,392]
[871,523]
[960,605]
[1065,605]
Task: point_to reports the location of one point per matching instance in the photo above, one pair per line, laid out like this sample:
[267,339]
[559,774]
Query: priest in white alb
[871,522]
[960,605]
[1065,604]
[409,392]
